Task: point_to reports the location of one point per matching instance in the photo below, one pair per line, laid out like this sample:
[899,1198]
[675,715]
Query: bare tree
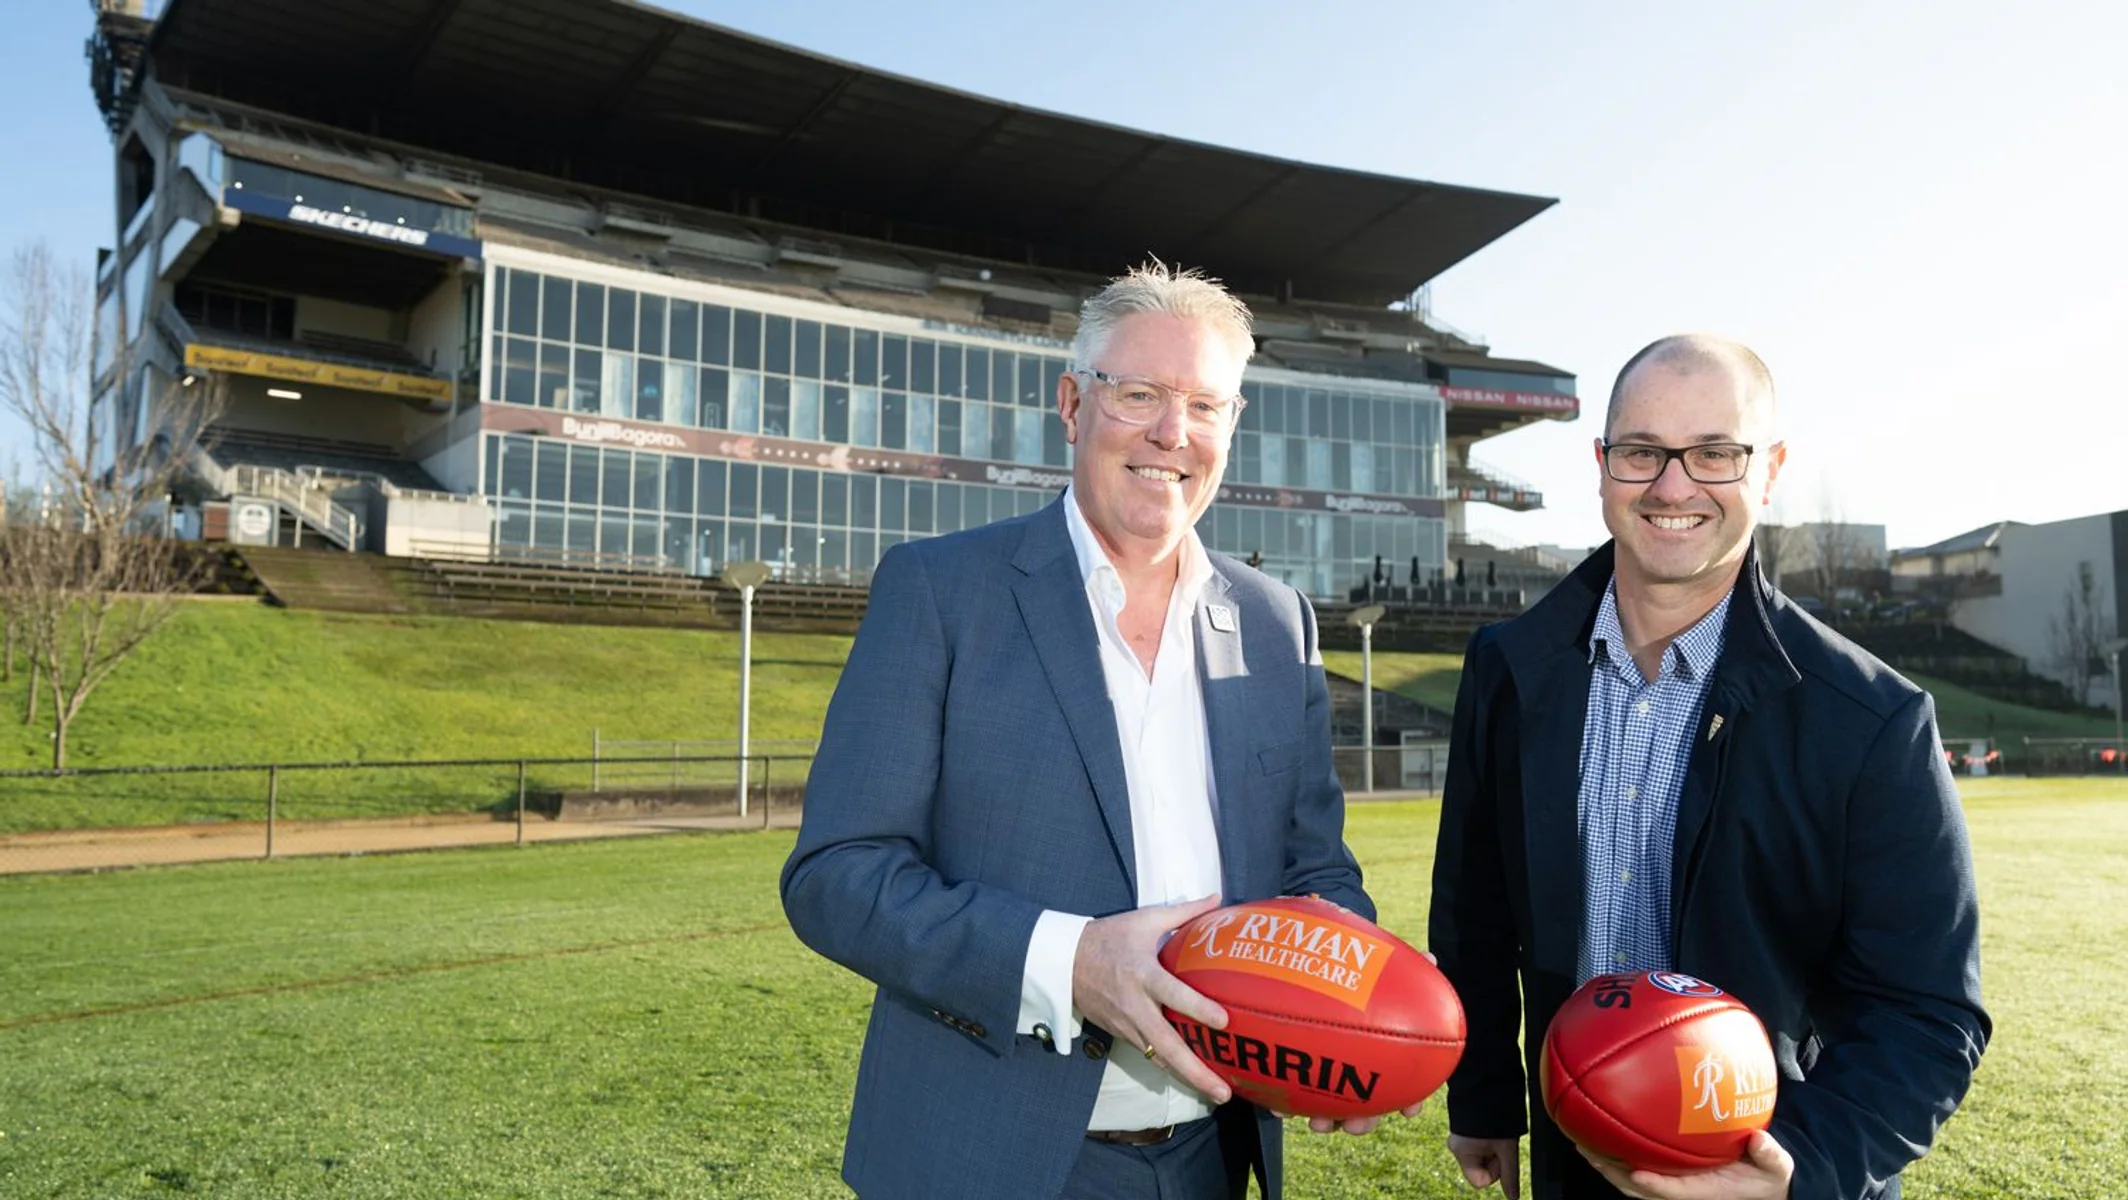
[15,497]
[1834,557]
[2079,638]
[87,583]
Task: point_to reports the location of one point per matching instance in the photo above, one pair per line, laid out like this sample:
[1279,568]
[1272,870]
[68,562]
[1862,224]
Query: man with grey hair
[1059,737]
[1665,766]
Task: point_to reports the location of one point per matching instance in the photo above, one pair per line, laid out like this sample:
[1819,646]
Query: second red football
[1659,1070]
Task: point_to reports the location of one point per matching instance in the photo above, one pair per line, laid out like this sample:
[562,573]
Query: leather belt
[1132,1137]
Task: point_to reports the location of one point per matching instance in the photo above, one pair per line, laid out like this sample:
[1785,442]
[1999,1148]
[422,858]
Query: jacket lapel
[1553,693]
[1222,675]
[1052,602]
[1752,666]
[1548,657]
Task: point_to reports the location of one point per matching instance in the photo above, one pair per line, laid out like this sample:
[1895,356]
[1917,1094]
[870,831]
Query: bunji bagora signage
[1567,407]
[589,429]
[322,374]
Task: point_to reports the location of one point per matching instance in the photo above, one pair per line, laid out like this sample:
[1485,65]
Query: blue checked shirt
[1635,743]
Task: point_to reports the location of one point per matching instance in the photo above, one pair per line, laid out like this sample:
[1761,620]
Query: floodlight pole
[745,576]
[1365,619]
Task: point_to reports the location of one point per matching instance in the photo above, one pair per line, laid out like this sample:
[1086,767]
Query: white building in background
[2051,575]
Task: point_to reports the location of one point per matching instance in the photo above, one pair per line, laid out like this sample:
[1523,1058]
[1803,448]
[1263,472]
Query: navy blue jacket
[1821,874]
[969,777]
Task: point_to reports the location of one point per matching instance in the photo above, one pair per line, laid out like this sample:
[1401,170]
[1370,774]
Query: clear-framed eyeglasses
[1708,462]
[1135,400]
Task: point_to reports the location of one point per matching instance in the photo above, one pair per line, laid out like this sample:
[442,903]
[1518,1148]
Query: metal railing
[97,818]
[307,498]
[2071,756]
[625,761]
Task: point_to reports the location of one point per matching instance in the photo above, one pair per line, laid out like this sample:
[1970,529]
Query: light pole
[745,577]
[1365,619]
[2120,743]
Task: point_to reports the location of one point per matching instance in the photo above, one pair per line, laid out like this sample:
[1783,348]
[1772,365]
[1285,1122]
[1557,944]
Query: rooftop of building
[627,99]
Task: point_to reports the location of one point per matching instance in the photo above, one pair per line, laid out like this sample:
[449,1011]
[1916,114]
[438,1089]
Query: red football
[1328,1014]
[1659,1070]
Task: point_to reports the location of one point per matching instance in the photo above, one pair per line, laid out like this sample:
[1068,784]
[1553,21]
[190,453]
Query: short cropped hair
[1156,287]
[1697,352]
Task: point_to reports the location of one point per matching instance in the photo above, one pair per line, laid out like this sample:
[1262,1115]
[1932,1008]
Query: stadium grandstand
[588,284]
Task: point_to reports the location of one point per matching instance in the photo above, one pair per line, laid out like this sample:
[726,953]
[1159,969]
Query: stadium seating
[325,456]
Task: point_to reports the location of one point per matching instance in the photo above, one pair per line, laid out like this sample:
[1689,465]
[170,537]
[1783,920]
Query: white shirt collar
[1096,569]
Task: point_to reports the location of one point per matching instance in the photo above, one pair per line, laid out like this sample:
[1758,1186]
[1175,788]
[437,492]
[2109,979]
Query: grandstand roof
[619,95]
[1486,362]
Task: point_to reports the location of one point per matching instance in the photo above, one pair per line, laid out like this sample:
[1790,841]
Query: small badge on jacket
[1221,616]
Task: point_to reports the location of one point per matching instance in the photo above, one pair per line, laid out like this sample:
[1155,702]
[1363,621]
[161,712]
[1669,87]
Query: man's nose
[1171,429]
[1673,483]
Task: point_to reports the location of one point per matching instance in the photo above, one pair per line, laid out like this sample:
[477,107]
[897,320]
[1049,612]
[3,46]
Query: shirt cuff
[1045,983]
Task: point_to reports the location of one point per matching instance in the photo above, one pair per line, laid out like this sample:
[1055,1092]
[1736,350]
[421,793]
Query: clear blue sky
[1915,210]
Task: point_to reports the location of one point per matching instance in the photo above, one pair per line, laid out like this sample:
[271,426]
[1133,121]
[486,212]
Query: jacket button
[1096,1048]
[1044,1036]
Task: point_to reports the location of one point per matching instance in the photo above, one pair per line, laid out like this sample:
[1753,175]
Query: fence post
[768,783]
[676,769]
[520,802]
[273,803]
[594,760]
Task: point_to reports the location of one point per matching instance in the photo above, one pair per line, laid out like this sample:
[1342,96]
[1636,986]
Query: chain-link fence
[101,817]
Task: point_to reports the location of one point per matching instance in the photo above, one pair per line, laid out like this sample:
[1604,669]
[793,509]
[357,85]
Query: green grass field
[245,683]
[635,1019]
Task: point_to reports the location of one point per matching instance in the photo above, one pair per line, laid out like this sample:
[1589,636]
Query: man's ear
[1068,400]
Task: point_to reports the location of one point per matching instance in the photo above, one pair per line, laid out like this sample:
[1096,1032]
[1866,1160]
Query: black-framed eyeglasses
[1708,462]
[1135,400]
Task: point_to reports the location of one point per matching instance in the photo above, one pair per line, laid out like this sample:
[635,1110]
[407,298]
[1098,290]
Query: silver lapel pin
[1221,616]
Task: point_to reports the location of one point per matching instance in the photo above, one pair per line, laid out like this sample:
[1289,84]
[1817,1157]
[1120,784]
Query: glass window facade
[639,355]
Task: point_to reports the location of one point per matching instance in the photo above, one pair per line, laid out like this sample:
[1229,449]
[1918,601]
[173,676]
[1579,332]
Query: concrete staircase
[333,580]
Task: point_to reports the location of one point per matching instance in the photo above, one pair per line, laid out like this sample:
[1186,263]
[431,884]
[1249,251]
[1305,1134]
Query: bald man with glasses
[1665,765]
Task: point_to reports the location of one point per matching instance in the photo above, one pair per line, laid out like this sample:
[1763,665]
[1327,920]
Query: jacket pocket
[1284,757]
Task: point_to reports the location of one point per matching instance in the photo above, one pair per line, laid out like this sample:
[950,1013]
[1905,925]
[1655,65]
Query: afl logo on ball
[1682,985]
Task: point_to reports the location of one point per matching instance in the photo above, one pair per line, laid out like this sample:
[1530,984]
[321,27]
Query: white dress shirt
[1167,765]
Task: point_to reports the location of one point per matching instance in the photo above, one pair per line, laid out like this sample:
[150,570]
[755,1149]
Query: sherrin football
[1328,1014]
[1662,1071]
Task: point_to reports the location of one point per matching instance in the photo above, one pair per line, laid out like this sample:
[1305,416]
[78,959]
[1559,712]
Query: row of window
[629,386]
[521,468]
[543,316]
[701,513]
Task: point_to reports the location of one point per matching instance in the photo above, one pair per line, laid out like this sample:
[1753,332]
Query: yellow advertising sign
[303,370]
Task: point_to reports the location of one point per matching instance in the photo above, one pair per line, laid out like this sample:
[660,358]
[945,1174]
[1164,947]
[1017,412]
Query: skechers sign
[275,208]
[350,223]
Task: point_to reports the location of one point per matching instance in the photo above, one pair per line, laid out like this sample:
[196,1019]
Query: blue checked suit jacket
[969,777]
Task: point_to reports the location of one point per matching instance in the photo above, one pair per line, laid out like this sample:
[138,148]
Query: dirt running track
[103,849]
